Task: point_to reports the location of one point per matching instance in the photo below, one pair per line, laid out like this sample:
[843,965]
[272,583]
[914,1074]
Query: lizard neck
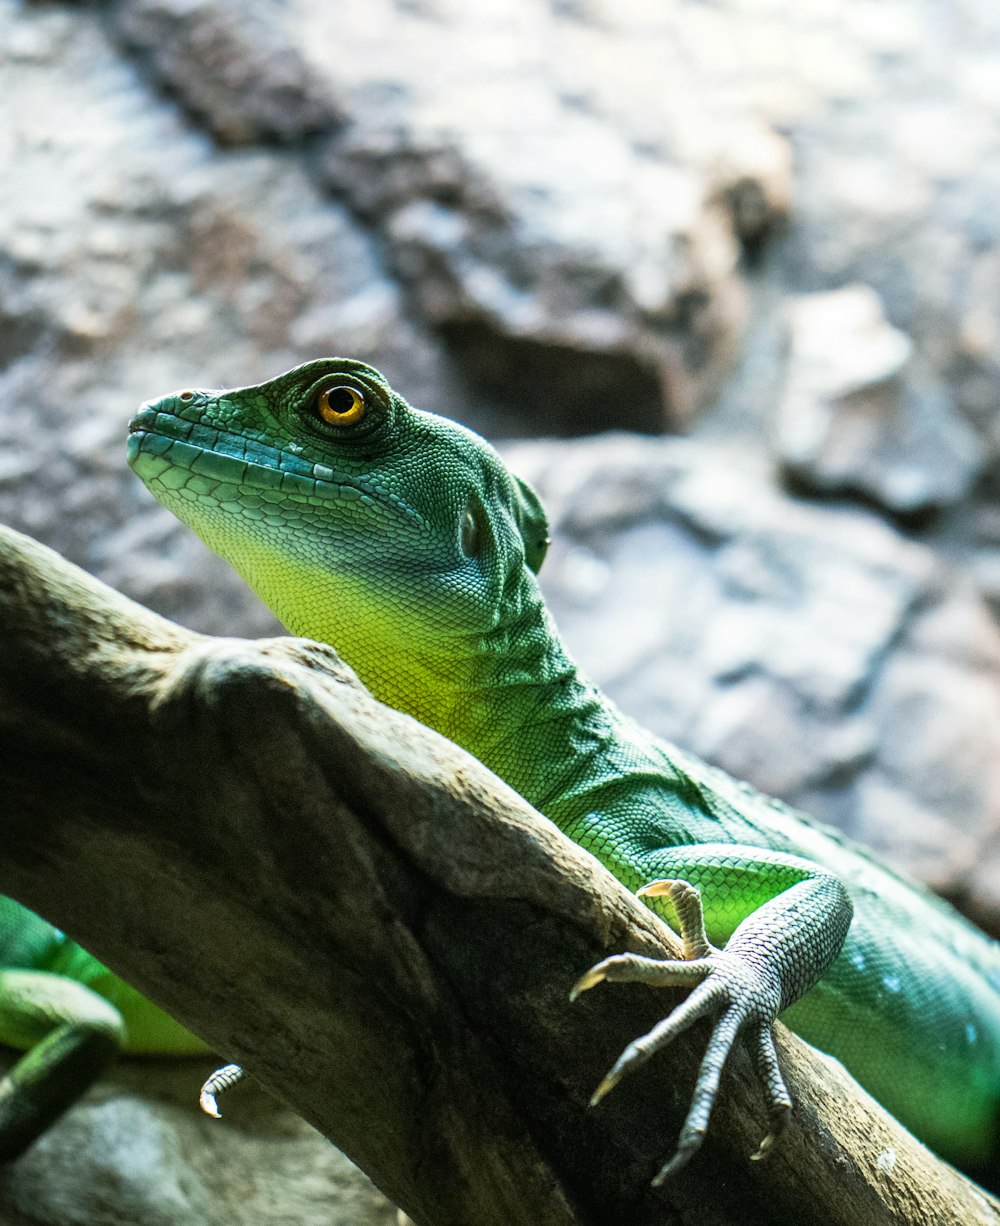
[522,707]
[511,695]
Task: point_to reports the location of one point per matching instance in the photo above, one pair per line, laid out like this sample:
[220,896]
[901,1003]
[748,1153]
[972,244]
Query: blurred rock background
[757,240]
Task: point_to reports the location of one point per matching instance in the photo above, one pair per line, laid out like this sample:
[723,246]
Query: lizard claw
[607,1085]
[778,1124]
[222,1079]
[744,997]
[589,980]
[630,968]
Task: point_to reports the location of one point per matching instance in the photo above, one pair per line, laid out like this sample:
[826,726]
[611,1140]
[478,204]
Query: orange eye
[341,405]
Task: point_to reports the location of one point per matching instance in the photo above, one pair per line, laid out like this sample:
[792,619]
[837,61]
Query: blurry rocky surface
[860,416]
[897,178]
[550,194]
[771,223]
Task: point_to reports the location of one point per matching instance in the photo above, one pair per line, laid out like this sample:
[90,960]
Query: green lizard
[403,540]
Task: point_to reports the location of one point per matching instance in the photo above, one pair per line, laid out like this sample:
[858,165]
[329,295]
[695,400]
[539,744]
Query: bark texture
[383,933]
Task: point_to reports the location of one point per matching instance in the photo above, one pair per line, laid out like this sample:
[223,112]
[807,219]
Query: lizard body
[403,540]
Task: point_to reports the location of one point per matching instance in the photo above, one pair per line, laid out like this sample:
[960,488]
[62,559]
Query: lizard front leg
[774,956]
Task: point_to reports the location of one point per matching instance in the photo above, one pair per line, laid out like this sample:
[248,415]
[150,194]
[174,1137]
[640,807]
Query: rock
[232,68]
[896,178]
[814,652]
[860,417]
[593,278]
[982,548]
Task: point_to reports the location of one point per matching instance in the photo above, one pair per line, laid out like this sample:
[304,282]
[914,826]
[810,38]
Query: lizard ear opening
[532,523]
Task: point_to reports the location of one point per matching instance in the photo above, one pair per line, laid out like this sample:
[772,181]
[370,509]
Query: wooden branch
[384,934]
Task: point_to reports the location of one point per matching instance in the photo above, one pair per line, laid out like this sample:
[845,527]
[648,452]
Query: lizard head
[397,536]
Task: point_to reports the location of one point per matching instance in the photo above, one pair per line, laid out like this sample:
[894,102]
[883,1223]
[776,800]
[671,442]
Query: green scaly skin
[403,540]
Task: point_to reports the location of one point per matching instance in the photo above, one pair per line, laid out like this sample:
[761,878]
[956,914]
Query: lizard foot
[220,1081]
[740,991]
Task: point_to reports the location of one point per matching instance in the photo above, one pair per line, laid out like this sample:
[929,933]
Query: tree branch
[384,934]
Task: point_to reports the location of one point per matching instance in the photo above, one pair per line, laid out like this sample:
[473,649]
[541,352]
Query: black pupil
[341,399]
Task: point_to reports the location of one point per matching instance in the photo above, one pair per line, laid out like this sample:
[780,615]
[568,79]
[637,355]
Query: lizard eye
[341,405]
